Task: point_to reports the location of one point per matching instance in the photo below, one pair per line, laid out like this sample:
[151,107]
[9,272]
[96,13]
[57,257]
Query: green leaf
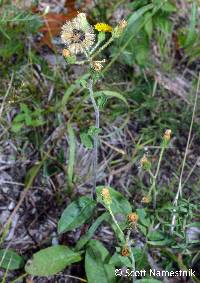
[86,140]
[32,173]
[156,238]
[96,266]
[85,238]
[169,7]
[143,217]
[111,94]
[118,260]
[133,27]
[148,24]
[16,127]
[10,260]
[141,259]
[72,149]
[148,281]
[51,260]
[119,205]
[77,213]
[191,36]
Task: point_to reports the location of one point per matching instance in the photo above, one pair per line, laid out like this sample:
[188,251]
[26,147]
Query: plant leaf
[148,281]
[97,269]
[51,260]
[85,238]
[111,94]
[10,260]
[86,140]
[77,213]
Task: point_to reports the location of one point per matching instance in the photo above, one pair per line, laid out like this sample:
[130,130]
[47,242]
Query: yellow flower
[106,196]
[103,27]
[77,34]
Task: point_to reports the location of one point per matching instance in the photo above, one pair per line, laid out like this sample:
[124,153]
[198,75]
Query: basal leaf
[77,213]
[10,260]
[96,266]
[51,260]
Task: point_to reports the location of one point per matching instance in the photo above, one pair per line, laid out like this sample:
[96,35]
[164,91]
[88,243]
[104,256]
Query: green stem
[154,177]
[116,223]
[102,47]
[95,137]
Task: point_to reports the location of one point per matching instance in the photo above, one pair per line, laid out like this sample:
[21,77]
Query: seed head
[78,34]
[97,66]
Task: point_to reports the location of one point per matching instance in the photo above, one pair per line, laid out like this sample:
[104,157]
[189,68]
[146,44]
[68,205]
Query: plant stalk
[95,138]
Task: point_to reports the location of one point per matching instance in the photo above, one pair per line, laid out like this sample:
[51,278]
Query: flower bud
[125,251]
[146,199]
[106,196]
[118,30]
[133,218]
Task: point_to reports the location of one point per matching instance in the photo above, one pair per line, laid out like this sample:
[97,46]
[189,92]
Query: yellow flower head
[103,27]
[106,196]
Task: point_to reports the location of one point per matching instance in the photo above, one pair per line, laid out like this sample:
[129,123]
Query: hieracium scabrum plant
[83,44]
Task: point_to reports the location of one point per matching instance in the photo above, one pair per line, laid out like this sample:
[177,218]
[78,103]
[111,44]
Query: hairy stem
[95,138]
[154,177]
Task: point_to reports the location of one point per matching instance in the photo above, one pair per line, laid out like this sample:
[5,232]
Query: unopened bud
[106,196]
[118,30]
[125,251]
[146,199]
[66,53]
[133,218]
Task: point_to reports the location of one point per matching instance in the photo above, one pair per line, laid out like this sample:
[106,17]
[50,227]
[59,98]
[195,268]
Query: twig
[95,138]
[179,192]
